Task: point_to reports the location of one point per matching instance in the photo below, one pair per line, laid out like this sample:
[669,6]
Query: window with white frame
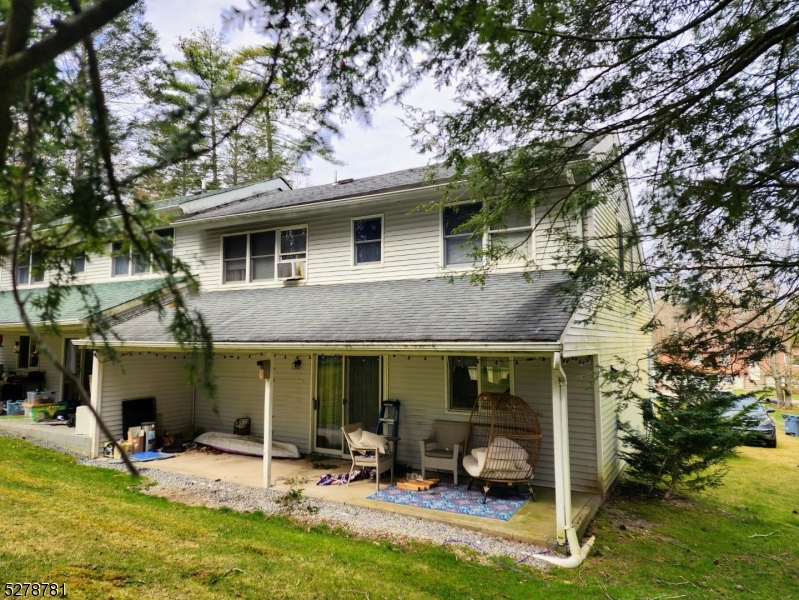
[293,243]
[459,242]
[166,242]
[129,261]
[469,376]
[79,263]
[367,239]
[28,271]
[252,256]
[515,235]
[624,247]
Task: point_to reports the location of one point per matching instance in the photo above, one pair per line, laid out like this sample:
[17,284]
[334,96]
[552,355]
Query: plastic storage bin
[15,408]
[791,424]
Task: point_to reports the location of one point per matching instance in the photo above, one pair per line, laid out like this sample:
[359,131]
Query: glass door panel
[329,404]
[363,391]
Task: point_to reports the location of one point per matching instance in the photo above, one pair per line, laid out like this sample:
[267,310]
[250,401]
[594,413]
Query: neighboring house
[738,375]
[111,284]
[342,288]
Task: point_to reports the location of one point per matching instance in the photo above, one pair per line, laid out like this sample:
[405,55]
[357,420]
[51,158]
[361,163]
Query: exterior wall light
[296,364]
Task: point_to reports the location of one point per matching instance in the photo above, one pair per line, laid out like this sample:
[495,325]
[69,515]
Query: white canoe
[248,445]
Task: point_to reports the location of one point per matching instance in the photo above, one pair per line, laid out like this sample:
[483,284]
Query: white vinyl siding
[291,412]
[239,394]
[142,377]
[550,225]
[614,334]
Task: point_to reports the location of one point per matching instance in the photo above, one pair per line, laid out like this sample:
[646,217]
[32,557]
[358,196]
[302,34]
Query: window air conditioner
[290,269]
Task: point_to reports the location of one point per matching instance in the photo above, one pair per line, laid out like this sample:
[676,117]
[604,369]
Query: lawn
[93,529]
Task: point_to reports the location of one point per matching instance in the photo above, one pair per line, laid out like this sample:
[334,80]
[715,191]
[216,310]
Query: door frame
[382,379]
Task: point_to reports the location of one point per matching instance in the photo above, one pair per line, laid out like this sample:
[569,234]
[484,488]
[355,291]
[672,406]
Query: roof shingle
[507,309]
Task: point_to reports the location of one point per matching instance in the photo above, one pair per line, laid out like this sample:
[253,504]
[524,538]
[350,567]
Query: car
[760,423]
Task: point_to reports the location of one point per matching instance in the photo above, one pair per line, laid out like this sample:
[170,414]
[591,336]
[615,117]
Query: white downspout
[563,505]
[269,375]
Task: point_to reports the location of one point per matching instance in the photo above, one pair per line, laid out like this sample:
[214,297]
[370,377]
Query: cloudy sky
[384,146]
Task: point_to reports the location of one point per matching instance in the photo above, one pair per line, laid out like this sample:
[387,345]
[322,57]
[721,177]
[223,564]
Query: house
[778,372]
[340,292]
[113,283]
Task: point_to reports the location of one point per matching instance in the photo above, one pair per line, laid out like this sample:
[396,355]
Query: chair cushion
[480,455]
[439,453]
[471,466]
[372,440]
[506,449]
[355,436]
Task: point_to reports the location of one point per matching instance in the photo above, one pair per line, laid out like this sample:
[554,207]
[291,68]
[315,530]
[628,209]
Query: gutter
[419,348]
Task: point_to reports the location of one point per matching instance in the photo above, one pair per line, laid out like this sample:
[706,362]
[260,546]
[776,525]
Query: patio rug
[502,502]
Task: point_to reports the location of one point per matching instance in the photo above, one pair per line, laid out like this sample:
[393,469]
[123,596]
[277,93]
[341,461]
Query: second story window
[27,270]
[132,262]
[458,241]
[234,249]
[79,264]
[624,248]
[367,237]
[120,260]
[262,256]
[253,256]
[516,235]
[293,243]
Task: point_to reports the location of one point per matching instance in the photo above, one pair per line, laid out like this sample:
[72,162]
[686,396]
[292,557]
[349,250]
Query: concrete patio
[534,523]
[61,435]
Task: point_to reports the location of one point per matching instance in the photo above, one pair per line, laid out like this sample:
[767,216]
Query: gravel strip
[371,524]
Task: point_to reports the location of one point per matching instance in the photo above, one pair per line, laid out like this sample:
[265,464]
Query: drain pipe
[560,422]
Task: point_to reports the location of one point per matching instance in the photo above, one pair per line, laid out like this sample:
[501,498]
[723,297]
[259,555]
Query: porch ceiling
[507,309]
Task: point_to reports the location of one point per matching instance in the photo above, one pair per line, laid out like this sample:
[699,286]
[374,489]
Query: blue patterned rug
[502,502]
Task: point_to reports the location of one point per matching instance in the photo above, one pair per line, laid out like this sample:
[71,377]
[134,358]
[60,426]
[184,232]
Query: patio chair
[504,442]
[440,450]
[366,452]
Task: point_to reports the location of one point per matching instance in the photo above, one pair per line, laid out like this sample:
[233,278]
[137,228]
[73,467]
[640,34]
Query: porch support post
[95,392]
[269,377]
[560,426]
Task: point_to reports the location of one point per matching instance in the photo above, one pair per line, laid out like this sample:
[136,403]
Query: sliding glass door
[329,404]
[347,391]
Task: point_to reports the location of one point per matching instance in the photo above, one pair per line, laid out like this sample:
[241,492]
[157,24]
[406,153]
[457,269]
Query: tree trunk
[675,478]
[270,144]
[775,372]
[214,169]
[235,157]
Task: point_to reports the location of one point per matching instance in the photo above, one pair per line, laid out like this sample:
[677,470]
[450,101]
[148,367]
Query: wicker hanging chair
[504,441]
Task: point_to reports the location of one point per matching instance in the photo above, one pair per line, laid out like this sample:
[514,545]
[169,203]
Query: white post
[269,376]
[95,391]
[560,426]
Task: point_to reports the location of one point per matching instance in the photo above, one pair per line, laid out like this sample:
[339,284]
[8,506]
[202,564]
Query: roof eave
[345,201]
[406,347]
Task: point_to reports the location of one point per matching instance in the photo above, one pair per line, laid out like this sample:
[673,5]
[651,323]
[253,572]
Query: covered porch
[302,362]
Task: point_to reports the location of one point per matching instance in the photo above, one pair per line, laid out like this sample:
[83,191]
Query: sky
[382,147]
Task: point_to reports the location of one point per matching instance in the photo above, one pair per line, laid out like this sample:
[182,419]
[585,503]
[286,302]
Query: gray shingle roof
[398,180]
[387,182]
[73,307]
[507,309]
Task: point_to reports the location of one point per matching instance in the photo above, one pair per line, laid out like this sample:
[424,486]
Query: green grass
[93,529]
